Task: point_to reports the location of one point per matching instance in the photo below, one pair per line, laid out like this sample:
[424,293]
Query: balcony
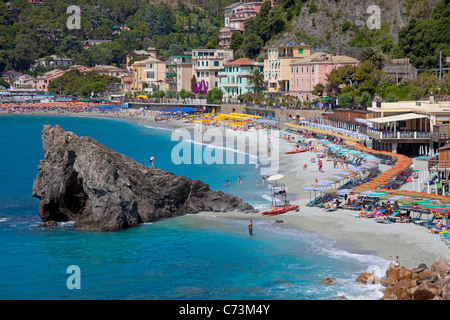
[399,135]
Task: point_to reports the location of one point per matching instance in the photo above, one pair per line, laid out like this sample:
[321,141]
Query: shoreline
[412,243]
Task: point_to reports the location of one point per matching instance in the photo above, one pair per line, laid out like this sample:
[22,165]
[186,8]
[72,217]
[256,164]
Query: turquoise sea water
[190,257]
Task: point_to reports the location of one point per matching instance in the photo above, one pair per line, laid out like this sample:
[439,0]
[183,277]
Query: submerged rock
[82,180]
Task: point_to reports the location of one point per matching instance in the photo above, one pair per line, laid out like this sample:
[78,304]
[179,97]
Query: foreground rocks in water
[417,283]
[82,180]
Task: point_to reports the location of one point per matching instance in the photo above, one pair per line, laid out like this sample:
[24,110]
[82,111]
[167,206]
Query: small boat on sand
[280,210]
[296,151]
[282,205]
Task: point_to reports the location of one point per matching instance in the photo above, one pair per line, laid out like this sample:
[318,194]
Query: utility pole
[440,65]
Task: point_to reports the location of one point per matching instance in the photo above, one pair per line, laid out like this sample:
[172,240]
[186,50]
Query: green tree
[23,55]
[252,45]
[214,96]
[373,56]
[256,80]
[236,40]
[165,20]
[4,83]
[345,99]
[318,89]
[185,94]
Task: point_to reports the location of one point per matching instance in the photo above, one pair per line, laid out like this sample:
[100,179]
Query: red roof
[241,62]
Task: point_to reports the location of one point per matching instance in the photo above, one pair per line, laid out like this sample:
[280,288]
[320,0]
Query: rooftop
[241,62]
[322,56]
[287,45]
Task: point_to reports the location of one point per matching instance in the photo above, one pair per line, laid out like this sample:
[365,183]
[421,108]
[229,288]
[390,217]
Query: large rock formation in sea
[84,181]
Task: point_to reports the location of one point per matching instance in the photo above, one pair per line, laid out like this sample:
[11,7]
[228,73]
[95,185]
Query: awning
[401,117]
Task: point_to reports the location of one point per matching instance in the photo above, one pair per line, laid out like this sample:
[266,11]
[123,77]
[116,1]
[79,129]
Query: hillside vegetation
[417,29]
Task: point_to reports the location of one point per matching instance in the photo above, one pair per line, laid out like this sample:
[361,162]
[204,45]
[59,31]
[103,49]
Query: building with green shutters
[233,79]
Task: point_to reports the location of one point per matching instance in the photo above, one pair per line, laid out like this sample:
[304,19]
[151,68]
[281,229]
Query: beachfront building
[233,78]
[25,81]
[179,73]
[311,70]
[410,126]
[41,83]
[206,65]
[149,75]
[277,66]
[235,16]
[127,84]
[10,75]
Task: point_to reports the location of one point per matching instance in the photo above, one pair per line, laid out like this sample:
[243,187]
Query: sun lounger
[394,217]
[382,219]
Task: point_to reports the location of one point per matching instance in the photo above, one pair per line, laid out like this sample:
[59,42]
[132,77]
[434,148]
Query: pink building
[304,74]
[25,81]
[235,16]
[41,83]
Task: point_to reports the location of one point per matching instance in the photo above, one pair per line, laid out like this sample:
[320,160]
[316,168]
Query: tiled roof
[241,62]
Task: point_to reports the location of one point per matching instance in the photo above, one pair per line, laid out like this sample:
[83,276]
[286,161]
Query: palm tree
[256,80]
[376,57]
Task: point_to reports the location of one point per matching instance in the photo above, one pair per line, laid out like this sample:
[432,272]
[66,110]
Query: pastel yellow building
[179,73]
[276,66]
[149,75]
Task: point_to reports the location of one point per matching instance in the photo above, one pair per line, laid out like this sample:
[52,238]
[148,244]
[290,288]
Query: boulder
[426,291]
[404,274]
[327,281]
[392,272]
[398,291]
[49,223]
[82,180]
[441,267]
[368,278]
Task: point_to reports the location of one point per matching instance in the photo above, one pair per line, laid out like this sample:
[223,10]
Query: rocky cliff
[83,181]
[327,24]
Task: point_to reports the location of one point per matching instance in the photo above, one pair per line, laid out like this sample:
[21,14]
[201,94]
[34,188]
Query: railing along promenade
[380,135]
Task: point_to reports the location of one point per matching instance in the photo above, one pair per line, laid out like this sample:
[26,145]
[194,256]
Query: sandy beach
[412,243]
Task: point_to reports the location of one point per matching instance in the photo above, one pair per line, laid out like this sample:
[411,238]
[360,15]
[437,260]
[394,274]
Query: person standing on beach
[250,228]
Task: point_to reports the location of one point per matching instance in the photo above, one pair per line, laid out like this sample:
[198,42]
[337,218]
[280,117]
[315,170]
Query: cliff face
[83,181]
[320,22]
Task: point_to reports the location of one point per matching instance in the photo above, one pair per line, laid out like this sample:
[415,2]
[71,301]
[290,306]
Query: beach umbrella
[344,191]
[275,177]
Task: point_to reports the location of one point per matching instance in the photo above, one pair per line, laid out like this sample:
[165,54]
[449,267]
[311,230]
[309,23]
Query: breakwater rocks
[82,180]
[417,283]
